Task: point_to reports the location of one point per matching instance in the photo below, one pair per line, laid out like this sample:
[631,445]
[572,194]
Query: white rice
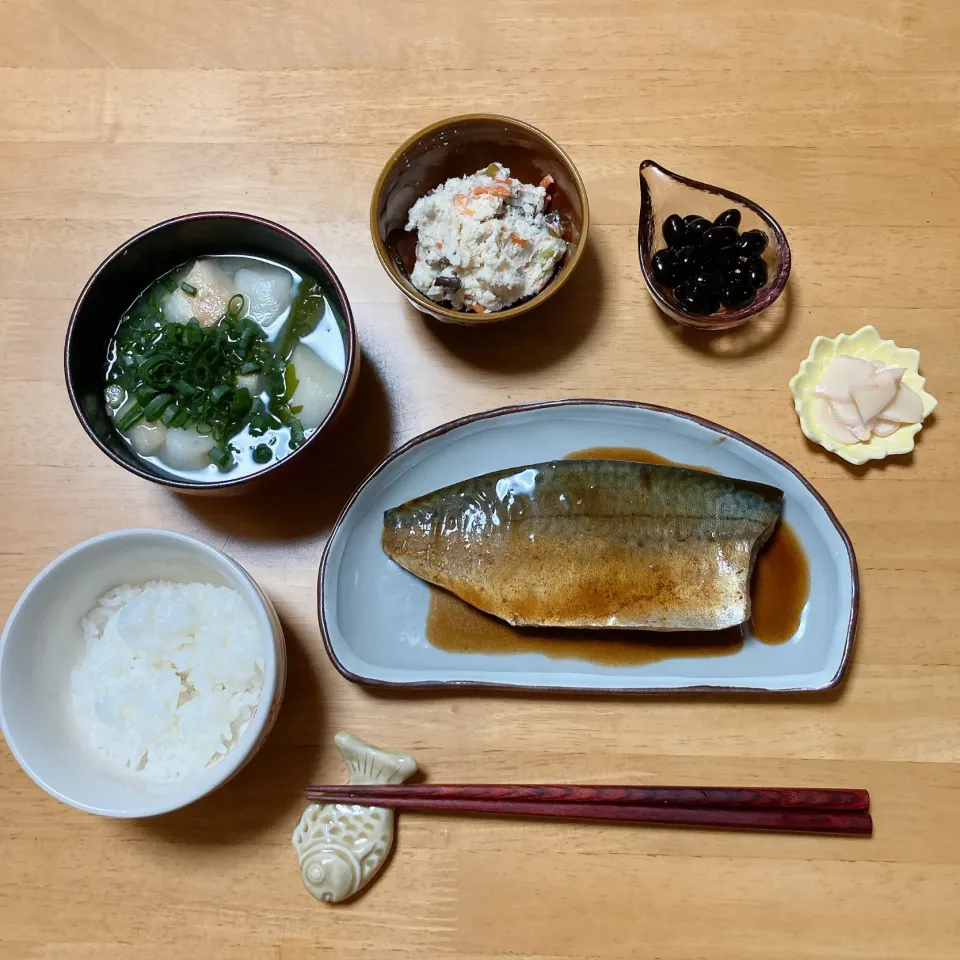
[171,676]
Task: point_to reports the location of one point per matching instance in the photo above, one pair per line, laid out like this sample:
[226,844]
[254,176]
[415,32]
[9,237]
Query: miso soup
[223,366]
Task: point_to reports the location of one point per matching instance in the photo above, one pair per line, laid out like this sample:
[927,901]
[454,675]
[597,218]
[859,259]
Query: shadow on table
[269,790]
[754,336]
[536,340]
[307,499]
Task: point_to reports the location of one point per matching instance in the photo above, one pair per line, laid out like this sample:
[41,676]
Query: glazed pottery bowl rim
[174,795]
[424,303]
[350,343]
[730,318]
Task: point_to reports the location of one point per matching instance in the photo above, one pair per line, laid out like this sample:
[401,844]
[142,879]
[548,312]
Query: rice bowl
[43,642]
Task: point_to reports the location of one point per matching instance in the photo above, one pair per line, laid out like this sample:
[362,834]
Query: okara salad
[485,241]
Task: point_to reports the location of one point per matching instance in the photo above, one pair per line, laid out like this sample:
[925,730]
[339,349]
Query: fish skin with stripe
[591,543]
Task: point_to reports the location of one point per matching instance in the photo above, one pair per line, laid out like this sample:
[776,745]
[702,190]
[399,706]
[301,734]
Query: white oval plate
[373,613]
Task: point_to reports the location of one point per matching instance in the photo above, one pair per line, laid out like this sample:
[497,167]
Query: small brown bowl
[663,193]
[458,147]
[130,269]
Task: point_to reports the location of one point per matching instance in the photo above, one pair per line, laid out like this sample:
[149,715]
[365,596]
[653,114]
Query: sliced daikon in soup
[185,449]
[204,294]
[268,292]
[317,387]
[148,439]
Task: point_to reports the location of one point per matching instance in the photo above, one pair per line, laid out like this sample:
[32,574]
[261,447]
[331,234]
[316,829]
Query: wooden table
[841,117]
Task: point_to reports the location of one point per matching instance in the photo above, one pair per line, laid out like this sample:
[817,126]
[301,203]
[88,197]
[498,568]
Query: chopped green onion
[220,456]
[276,385]
[261,420]
[145,395]
[181,419]
[296,433]
[262,453]
[202,374]
[156,406]
[240,403]
[130,418]
[185,375]
[219,392]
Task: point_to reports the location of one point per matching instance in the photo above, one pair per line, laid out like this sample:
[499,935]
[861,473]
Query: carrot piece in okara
[497,189]
[461,202]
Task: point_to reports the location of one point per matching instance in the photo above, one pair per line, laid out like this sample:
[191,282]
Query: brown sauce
[455,626]
[636,454]
[780,587]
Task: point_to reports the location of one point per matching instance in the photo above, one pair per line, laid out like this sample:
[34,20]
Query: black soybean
[688,262]
[708,281]
[696,229]
[665,268]
[695,299]
[674,230]
[752,242]
[727,260]
[756,271]
[687,295]
[709,303]
[718,238]
[709,264]
[729,218]
[737,273]
[737,293]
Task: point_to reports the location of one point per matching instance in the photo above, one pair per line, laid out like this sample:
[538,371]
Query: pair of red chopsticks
[740,808]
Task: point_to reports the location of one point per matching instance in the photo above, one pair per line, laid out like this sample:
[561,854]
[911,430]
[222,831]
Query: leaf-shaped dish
[867,344]
[663,193]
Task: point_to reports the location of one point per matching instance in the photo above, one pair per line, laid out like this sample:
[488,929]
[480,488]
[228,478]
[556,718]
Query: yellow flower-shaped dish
[867,344]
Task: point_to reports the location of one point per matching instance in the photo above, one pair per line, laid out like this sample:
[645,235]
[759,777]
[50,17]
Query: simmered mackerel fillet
[591,543]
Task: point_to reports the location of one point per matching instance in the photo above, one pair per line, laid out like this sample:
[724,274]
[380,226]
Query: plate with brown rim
[382,626]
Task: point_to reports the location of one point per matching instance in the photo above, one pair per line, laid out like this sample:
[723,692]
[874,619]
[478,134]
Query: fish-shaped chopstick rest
[341,846]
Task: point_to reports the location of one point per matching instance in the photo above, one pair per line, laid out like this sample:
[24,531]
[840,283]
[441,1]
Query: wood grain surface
[840,116]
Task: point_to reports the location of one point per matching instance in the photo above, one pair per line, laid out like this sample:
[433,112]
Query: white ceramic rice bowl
[43,641]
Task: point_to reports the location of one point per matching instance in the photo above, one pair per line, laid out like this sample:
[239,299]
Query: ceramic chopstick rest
[341,846]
